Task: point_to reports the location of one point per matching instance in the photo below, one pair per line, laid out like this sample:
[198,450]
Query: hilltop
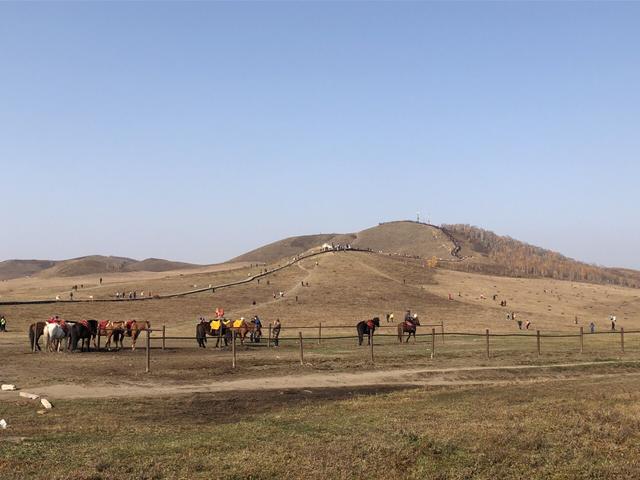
[89,265]
[457,247]
[400,237]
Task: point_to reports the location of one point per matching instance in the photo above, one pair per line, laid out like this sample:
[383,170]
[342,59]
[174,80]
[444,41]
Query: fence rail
[428,338]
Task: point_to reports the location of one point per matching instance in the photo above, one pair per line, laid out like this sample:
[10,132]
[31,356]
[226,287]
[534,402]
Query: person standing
[276,331]
[3,324]
[592,327]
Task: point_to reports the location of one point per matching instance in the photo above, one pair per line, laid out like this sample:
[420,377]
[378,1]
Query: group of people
[131,295]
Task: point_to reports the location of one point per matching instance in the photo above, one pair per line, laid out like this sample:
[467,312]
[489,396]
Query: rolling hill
[22,268]
[401,237]
[90,265]
[457,247]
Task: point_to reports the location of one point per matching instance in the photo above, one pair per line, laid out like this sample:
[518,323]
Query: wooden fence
[428,338]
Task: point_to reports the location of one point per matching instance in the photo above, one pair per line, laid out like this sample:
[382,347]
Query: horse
[110,329]
[205,328]
[134,327]
[36,330]
[83,330]
[367,327]
[241,328]
[54,335]
[409,327]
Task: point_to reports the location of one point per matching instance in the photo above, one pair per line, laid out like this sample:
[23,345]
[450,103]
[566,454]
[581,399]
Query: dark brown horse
[205,328]
[409,327]
[367,327]
[84,330]
[36,330]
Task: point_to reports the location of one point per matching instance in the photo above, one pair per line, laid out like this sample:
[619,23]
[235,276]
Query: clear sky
[197,131]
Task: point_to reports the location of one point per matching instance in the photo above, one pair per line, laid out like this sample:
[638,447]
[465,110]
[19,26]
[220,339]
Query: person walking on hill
[3,324]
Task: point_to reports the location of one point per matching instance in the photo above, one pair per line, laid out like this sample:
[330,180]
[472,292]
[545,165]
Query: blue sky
[197,131]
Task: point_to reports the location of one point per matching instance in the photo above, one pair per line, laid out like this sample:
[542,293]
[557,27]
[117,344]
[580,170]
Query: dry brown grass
[541,428]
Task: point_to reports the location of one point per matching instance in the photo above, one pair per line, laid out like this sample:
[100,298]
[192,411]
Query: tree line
[511,257]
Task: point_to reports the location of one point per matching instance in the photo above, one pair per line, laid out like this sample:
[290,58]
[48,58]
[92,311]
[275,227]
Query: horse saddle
[215,325]
[237,323]
[84,323]
[128,324]
[409,325]
[103,324]
[370,324]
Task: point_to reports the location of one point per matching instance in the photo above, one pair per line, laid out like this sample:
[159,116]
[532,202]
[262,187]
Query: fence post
[487,333]
[99,337]
[320,333]
[148,369]
[442,329]
[164,335]
[371,345]
[581,339]
[233,350]
[622,338]
[433,342]
[538,340]
[301,348]
[269,337]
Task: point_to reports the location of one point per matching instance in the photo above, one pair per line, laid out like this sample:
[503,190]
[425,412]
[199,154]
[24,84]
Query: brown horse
[36,330]
[242,329]
[409,327]
[107,328]
[134,327]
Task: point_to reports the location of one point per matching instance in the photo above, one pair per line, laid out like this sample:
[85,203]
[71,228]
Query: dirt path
[400,377]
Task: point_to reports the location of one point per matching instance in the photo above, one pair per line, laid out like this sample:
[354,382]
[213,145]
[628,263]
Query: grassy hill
[90,265]
[401,237]
[22,268]
[284,248]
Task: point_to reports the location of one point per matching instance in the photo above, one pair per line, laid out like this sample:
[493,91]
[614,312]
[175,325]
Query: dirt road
[398,377]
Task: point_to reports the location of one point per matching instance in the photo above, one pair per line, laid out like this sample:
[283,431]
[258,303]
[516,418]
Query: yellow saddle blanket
[215,324]
[237,323]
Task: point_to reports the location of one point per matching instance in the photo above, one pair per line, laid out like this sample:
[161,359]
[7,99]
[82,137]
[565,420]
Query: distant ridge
[90,265]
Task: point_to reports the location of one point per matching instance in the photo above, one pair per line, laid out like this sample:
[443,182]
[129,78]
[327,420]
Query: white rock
[46,404]
[7,387]
[30,396]
[3,423]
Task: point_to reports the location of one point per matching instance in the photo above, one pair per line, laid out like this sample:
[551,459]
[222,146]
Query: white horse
[54,336]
